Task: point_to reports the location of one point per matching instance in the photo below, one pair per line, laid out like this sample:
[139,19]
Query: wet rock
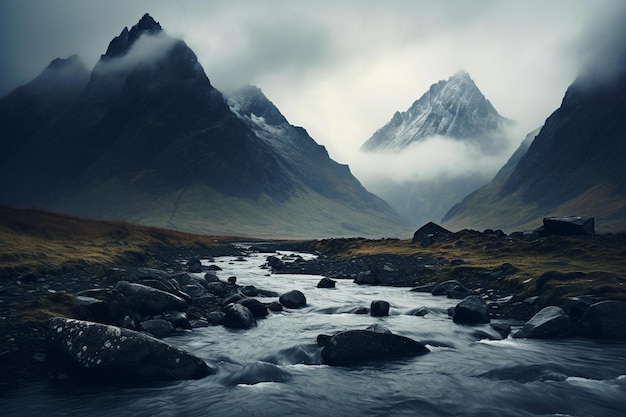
[194,265]
[237,316]
[365,278]
[550,322]
[250,291]
[443,287]
[216,318]
[293,299]
[158,328]
[502,328]
[605,320]
[178,319]
[256,307]
[275,263]
[358,346]
[257,372]
[379,308]
[232,280]
[275,306]
[472,310]
[149,301]
[422,311]
[326,283]
[211,277]
[100,350]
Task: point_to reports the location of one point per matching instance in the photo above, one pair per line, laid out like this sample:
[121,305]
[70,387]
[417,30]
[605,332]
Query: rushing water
[274,369]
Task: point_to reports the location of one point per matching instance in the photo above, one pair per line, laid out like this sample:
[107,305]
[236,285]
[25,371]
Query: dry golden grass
[601,260]
[35,239]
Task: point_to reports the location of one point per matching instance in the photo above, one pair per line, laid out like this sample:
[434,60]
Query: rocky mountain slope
[147,139]
[573,167]
[451,110]
[454,108]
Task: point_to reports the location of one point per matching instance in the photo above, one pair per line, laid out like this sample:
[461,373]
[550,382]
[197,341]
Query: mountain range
[145,138]
[573,167]
[450,110]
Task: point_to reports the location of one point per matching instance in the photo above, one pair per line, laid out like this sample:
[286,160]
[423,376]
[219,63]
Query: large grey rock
[237,316]
[357,346]
[550,322]
[102,350]
[149,301]
[293,299]
[605,320]
[569,225]
[472,310]
[429,233]
[257,308]
[326,283]
[379,308]
[157,327]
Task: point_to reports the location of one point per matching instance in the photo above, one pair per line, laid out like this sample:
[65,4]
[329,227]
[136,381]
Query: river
[274,369]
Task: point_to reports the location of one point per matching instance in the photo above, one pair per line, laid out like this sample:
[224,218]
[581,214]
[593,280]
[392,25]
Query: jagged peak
[122,43]
[145,25]
[65,62]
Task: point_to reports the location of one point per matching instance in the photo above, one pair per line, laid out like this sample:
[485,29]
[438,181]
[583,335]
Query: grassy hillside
[551,267]
[36,240]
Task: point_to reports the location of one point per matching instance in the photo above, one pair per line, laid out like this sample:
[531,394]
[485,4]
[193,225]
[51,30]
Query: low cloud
[145,50]
[435,158]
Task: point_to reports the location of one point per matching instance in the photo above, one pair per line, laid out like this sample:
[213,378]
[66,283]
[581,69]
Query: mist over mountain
[574,166]
[448,143]
[453,108]
[147,139]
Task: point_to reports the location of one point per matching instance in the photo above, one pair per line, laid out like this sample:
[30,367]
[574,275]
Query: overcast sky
[338,68]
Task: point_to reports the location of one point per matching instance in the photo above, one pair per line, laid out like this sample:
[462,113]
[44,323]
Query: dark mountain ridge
[150,140]
[573,167]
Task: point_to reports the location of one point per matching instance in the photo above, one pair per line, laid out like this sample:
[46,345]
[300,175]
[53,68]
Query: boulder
[472,310]
[379,308]
[149,301]
[326,283]
[605,320]
[101,350]
[357,346]
[178,319]
[216,318]
[257,308]
[237,316]
[275,306]
[569,225]
[102,305]
[293,299]
[429,233]
[194,265]
[443,287]
[365,278]
[550,322]
[157,327]
[275,263]
[250,291]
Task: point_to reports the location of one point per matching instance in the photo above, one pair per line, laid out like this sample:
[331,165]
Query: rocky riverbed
[169,298]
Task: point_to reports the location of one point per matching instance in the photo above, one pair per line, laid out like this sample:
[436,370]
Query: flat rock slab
[110,352]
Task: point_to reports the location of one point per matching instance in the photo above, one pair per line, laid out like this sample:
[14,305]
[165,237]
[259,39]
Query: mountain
[574,166]
[147,139]
[455,108]
[451,110]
